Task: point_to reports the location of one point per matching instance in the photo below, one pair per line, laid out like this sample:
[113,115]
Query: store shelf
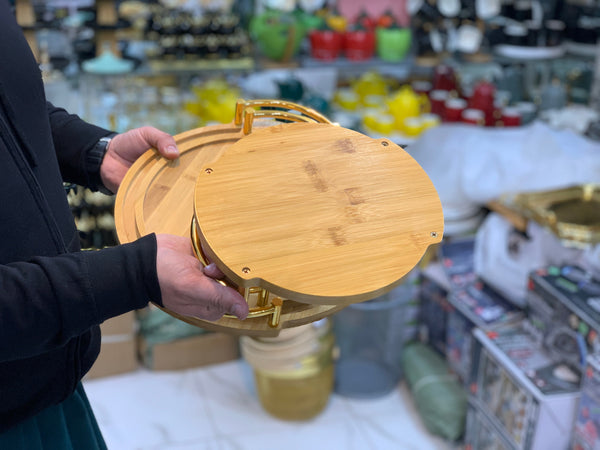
[162,66]
[529,53]
[400,69]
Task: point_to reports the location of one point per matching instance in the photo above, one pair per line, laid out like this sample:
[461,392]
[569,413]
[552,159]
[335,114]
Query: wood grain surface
[316,213]
[157,195]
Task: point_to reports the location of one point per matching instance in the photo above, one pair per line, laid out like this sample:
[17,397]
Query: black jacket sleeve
[73,138]
[84,289]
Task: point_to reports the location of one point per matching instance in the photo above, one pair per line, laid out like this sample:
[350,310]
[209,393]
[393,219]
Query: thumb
[161,141]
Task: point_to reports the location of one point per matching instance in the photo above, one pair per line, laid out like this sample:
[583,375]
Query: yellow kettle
[406,103]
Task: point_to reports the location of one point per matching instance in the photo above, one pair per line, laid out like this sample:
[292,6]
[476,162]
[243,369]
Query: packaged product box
[118,350]
[457,258]
[475,305]
[452,270]
[481,432]
[528,398]
[586,434]
[188,352]
[167,343]
[434,306]
[564,309]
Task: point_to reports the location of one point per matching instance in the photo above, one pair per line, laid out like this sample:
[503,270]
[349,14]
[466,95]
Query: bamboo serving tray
[316,213]
[303,218]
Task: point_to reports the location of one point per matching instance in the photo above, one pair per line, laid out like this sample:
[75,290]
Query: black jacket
[52,296]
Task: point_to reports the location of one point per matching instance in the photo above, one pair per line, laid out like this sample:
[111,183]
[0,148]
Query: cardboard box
[188,352]
[123,324]
[118,350]
[115,358]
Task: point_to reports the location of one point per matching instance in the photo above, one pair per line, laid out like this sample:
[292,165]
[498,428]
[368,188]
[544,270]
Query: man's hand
[125,148]
[189,289]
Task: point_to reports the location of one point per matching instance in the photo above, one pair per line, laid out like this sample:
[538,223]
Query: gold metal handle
[247,111]
[263,308]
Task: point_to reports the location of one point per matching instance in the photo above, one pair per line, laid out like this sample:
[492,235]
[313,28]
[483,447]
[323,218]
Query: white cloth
[471,166]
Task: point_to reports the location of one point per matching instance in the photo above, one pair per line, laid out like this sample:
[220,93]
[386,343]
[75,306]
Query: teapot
[290,88]
[277,34]
[406,103]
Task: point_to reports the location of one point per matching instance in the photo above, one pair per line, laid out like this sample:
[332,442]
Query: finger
[234,303]
[163,142]
[227,300]
[213,271]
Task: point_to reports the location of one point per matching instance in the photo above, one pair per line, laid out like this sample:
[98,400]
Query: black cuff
[93,161]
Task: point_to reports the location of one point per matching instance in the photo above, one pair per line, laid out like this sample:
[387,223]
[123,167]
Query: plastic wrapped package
[439,397]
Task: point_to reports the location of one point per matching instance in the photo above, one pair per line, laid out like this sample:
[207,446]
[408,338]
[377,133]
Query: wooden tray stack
[303,216]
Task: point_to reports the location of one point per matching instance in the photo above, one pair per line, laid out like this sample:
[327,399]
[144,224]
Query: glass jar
[293,372]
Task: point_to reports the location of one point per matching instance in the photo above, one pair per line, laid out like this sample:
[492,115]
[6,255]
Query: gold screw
[208,170]
[246,270]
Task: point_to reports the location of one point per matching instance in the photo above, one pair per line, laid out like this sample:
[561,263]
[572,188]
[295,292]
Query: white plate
[518,52]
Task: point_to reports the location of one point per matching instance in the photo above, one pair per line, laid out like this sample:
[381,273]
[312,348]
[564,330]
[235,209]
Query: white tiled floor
[216,408]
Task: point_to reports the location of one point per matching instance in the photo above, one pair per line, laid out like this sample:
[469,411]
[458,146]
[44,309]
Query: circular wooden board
[157,196]
[316,213]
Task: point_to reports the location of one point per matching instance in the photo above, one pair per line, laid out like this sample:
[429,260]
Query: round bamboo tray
[302,218]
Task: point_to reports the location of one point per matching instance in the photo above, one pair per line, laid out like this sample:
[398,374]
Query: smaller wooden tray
[316,213]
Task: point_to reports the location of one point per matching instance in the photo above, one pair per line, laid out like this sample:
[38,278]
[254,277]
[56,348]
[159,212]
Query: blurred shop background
[491,342]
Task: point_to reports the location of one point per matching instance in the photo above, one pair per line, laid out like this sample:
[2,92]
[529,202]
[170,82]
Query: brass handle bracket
[262,308]
[247,111]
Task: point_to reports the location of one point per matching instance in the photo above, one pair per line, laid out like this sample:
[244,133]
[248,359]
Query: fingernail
[238,311]
[172,150]
[207,270]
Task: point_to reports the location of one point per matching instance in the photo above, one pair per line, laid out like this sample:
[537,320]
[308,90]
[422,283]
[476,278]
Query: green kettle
[278,35]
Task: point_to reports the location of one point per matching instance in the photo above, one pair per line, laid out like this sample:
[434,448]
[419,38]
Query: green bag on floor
[440,399]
